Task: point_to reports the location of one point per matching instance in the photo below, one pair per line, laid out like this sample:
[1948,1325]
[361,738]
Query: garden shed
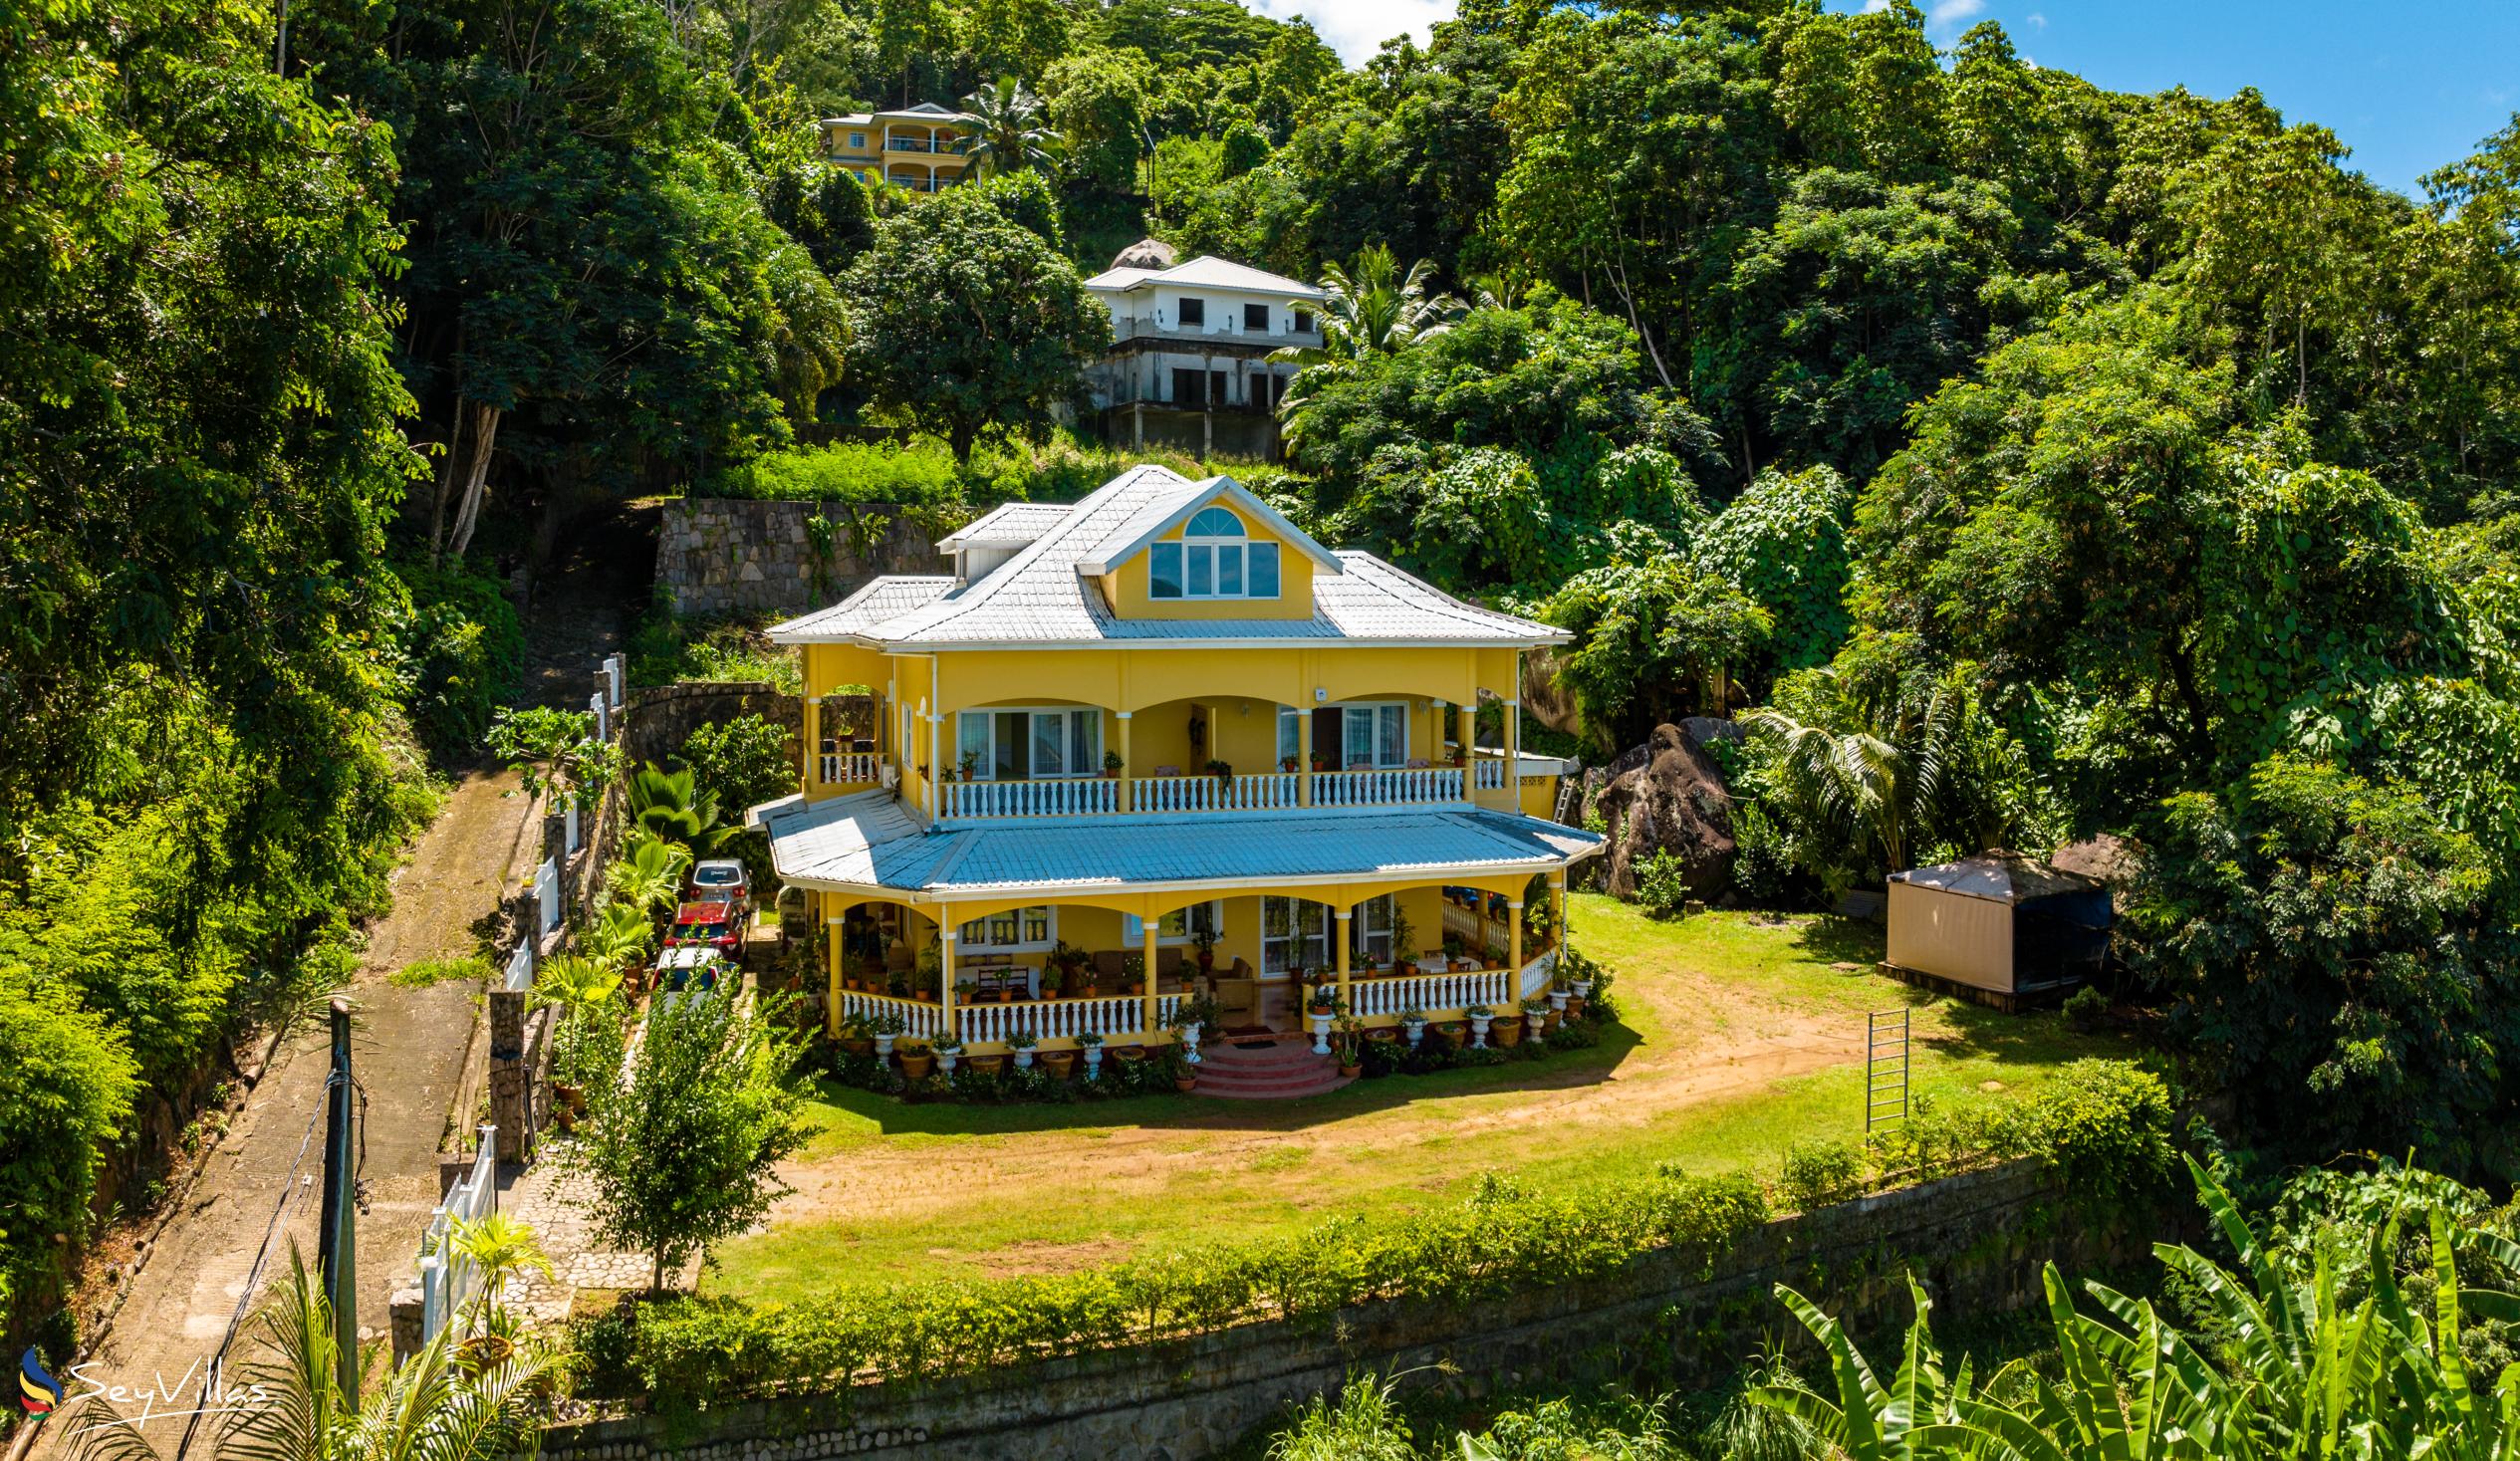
[1999,922]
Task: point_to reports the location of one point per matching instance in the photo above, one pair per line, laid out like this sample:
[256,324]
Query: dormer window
[1213,560]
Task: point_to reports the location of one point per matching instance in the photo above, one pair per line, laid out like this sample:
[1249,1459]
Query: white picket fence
[1428,994]
[1389,788]
[520,970]
[570,818]
[1264,792]
[601,710]
[1074,797]
[1063,1019]
[448,1280]
[547,895]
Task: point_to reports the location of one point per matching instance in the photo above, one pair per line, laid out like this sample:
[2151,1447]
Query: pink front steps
[1281,1070]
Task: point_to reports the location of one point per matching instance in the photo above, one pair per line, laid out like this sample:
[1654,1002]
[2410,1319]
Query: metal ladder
[1885,1070]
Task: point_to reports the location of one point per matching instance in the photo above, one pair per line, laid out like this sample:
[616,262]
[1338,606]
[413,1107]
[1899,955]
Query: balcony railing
[1387,788]
[849,768]
[1396,994]
[1491,773]
[1073,797]
[1062,1019]
[919,1019]
[1267,792]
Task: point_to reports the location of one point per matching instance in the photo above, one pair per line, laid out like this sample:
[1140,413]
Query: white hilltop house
[1191,343]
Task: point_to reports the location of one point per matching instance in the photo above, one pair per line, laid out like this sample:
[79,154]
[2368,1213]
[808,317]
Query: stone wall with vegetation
[1977,1239]
[733,556]
[662,717]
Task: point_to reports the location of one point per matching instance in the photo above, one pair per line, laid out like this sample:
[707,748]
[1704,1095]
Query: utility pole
[337,1246]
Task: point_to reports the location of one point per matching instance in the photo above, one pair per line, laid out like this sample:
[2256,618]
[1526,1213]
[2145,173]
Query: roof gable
[1162,515]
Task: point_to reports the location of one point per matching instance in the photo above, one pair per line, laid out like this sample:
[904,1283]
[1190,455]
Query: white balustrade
[1538,973]
[1491,773]
[919,1019]
[1465,923]
[1071,796]
[447,1278]
[847,768]
[1386,788]
[1055,1019]
[1430,994]
[1264,792]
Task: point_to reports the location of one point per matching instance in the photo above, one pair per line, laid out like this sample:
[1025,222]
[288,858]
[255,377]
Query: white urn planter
[1022,1057]
[1583,989]
[1191,1042]
[1478,1031]
[1533,1023]
[945,1059]
[1321,1034]
[884,1046]
[1093,1061]
[1557,1000]
[1416,1030]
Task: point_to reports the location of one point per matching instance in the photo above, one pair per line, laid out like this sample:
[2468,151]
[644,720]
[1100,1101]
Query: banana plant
[1917,1417]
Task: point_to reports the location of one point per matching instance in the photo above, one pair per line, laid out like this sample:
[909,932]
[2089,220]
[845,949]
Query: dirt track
[408,1054]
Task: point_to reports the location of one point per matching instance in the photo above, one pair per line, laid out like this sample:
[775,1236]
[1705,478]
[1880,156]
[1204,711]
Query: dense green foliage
[2105,1127]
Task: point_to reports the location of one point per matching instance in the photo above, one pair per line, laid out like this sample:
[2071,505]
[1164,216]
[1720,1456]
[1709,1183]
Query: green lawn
[1739,1039]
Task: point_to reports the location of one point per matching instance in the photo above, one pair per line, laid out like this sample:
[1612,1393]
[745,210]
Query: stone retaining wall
[1978,1242]
[733,556]
[661,717]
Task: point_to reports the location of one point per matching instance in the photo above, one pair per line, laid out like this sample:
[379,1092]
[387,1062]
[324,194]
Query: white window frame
[1291,735]
[1370,931]
[1300,935]
[985,941]
[1176,927]
[987,770]
[856,141]
[1215,551]
[1346,712]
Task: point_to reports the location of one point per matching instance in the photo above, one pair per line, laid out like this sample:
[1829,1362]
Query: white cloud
[2037,21]
[1948,13]
[1356,29]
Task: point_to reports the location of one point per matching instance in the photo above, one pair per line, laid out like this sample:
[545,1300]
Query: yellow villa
[1163,743]
[919,147]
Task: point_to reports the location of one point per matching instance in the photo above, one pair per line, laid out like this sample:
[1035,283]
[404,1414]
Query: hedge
[2105,1125]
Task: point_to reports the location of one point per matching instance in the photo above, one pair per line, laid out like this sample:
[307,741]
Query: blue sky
[2407,86]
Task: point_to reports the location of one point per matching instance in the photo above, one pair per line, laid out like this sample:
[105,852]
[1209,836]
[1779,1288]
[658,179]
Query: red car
[715,925]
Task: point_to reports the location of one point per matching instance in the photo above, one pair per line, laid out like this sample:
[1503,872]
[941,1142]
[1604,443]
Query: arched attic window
[1215,558]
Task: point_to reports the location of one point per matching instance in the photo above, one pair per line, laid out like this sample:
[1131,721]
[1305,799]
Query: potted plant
[1351,1047]
[1286,764]
[917,1061]
[1189,1021]
[1453,1032]
[1022,1043]
[1404,939]
[1133,972]
[1321,762]
[1204,949]
[1185,1076]
[1324,1008]
[1413,1024]
[1506,1030]
[1452,947]
[855,1036]
[930,968]
[948,1051]
[1061,1064]
[1222,770]
[970,765]
[1112,765]
[1054,977]
[1535,1015]
[887,1028]
[988,1065]
[1092,1045]
[1479,1016]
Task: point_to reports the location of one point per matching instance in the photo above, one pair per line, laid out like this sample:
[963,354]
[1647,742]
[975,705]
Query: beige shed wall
[1952,936]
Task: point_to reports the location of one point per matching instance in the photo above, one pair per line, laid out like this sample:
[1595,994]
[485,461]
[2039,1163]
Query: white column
[936,759]
[946,934]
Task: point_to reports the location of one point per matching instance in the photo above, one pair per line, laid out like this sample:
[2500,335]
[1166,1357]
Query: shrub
[1662,885]
[2085,1007]
[668,649]
[1819,1173]
[462,651]
[921,473]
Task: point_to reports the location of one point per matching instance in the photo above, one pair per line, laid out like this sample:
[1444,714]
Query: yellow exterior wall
[1125,589]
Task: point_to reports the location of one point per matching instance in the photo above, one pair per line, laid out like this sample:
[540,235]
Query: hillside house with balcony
[1191,343]
[1160,723]
[919,147]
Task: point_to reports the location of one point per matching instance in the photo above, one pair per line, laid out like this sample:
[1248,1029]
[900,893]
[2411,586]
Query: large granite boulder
[1668,795]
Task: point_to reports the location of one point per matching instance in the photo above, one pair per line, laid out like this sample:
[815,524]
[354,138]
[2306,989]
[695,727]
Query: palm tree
[649,874]
[456,1400]
[667,805]
[502,1249]
[1011,131]
[1373,309]
[1870,786]
[576,982]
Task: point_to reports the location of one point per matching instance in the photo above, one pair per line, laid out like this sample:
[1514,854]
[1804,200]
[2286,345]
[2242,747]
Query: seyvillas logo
[37,1391]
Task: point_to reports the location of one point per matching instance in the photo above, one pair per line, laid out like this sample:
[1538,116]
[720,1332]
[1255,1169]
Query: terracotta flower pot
[1506,1032]
[858,1047]
[1184,1083]
[1061,1064]
[987,1065]
[1130,1052]
[1350,1070]
[918,1066]
[1455,1032]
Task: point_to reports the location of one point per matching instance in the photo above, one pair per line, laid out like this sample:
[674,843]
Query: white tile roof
[1040,597]
[1013,525]
[870,841]
[1205,272]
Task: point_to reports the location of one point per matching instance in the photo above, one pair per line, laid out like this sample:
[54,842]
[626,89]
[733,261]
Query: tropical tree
[683,1149]
[577,983]
[503,1250]
[554,752]
[1372,308]
[669,806]
[1013,132]
[648,875]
